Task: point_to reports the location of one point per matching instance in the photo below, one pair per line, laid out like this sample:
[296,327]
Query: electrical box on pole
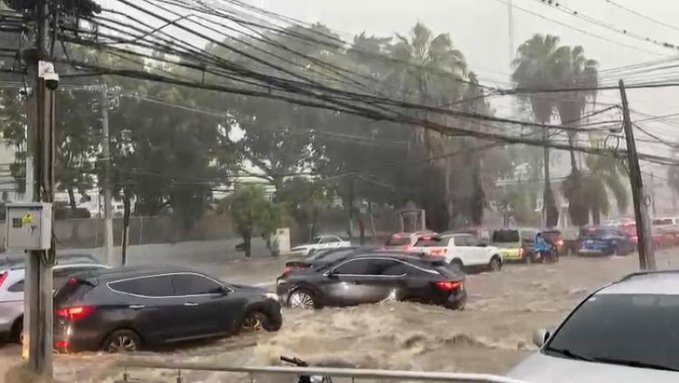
[29,226]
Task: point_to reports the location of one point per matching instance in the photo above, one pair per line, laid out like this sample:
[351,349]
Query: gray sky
[480,28]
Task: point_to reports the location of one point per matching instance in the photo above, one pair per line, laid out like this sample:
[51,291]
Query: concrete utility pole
[510,34]
[108,208]
[38,284]
[639,197]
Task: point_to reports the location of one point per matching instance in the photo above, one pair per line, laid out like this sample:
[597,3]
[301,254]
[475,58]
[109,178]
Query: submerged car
[605,240]
[321,257]
[462,251]
[624,332]
[372,278]
[128,308]
[404,241]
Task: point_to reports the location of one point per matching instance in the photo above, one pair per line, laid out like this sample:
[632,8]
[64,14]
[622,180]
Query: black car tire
[457,265]
[306,297]
[495,263]
[121,341]
[254,321]
[16,336]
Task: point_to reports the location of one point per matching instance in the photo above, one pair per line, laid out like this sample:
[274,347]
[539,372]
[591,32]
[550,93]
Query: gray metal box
[29,226]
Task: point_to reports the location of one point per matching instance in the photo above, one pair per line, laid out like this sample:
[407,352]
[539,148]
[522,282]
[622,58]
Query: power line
[579,30]
[641,15]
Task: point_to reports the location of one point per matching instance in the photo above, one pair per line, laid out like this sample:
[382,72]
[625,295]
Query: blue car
[605,240]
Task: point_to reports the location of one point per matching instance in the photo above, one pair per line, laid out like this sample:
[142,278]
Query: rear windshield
[430,242]
[664,221]
[75,289]
[398,240]
[552,235]
[446,270]
[506,236]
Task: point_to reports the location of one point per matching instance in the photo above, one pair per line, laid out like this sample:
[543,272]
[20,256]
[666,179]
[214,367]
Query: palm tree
[538,65]
[576,72]
[426,69]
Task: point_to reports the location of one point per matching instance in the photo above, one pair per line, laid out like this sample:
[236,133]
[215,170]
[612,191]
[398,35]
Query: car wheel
[17,334]
[457,265]
[254,321]
[122,341]
[301,299]
[495,264]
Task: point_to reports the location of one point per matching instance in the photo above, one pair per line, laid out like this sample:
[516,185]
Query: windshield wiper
[634,363]
[569,354]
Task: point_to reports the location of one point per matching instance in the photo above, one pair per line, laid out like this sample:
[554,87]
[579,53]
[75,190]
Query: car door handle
[190,304]
[137,307]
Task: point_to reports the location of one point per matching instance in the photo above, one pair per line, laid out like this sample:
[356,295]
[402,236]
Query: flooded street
[491,335]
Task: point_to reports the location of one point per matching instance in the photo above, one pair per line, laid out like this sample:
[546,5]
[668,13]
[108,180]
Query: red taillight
[521,251]
[75,313]
[61,345]
[559,243]
[448,285]
[3,276]
[406,247]
[439,252]
[287,269]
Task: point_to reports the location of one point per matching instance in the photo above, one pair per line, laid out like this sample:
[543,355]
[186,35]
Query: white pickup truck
[462,251]
[319,243]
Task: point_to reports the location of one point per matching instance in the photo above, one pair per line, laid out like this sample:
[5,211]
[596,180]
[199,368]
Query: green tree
[253,213]
[538,65]
[304,199]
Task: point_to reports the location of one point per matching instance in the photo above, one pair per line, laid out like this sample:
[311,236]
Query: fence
[354,375]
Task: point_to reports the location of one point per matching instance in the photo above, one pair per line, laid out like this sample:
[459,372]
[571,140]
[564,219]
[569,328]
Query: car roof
[656,282]
[136,271]
[409,257]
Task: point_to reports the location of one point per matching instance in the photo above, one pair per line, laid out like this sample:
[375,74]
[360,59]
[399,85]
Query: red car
[661,240]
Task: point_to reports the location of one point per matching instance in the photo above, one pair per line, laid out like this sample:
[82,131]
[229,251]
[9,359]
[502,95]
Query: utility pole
[108,219]
[652,187]
[38,312]
[639,197]
[510,22]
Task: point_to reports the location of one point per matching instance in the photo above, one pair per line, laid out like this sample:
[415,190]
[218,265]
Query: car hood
[541,368]
[249,289]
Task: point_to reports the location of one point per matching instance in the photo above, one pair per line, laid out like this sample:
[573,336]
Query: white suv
[462,251]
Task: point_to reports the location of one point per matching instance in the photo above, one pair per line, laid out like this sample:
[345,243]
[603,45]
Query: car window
[623,327]
[528,235]
[472,241]
[155,286]
[447,270]
[17,287]
[506,236]
[316,240]
[194,284]
[61,275]
[398,240]
[331,239]
[431,242]
[353,267]
[397,268]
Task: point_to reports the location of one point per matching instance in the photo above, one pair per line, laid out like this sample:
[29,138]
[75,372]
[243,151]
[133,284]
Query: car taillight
[3,276]
[287,269]
[521,251]
[75,313]
[448,285]
[406,247]
[559,242]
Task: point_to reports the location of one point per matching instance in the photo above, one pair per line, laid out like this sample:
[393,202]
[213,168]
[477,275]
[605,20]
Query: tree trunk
[361,229]
[551,211]
[571,144]
[71,198]
[350,210]
[372,221]
[247,240]
[596,215]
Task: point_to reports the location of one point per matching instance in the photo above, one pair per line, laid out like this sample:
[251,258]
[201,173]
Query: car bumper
[68,338]
[594,252]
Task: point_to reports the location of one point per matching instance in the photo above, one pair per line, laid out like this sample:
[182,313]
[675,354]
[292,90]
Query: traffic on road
[144,309]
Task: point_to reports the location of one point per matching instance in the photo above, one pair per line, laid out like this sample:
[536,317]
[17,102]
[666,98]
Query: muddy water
[491,335]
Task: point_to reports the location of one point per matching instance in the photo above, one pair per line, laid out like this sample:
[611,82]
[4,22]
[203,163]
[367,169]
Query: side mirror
[541,336]
[330,274]
[224,290]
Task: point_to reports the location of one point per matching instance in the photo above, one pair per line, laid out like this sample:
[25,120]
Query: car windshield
[506,236]
[633,329]
[598,232]
[330,258]
[316,240]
